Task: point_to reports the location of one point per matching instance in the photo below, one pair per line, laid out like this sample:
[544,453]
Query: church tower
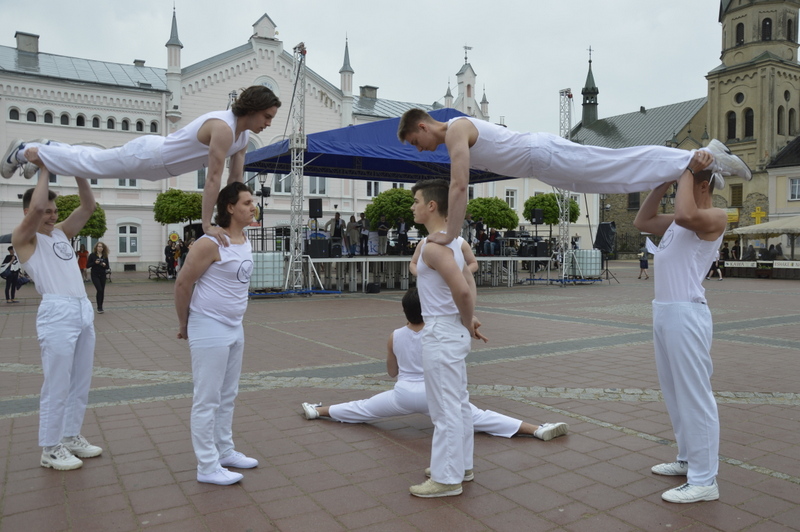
[346,86]
[754,95]
[466,100]
[173,74]
[590,92]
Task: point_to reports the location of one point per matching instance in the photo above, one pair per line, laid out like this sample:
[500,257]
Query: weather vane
[466,49]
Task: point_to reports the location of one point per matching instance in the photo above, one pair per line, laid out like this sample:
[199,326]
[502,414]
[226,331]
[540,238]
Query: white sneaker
[310,410]
[60,458]
[690,493]
[672,469]
[548,431]
[221,477]
[29,169]
[78,446]
[238,460]
[10,162]
[726,163]
[431,488]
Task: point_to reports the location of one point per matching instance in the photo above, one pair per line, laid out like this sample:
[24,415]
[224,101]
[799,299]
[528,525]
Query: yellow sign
[733,214]
[758,214]
[173,236]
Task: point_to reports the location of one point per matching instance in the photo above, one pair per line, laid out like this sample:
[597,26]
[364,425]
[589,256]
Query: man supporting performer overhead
[473,143]
[205,142]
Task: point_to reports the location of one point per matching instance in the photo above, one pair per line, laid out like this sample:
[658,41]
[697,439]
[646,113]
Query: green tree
[391,203]
[548,203]
[495,213]
[175,206]
[96,225]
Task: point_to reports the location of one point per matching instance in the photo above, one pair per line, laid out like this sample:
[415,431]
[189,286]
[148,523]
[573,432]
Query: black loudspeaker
[541,249]
[336,250]
[317,248]
[537,217]
[606,237]
[315,207]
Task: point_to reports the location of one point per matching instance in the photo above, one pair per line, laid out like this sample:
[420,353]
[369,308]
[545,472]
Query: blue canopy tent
[366,151]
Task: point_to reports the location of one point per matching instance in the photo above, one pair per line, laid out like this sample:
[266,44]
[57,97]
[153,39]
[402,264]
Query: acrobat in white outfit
[404,361]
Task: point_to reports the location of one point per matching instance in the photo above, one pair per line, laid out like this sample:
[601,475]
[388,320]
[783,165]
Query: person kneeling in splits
[404,361]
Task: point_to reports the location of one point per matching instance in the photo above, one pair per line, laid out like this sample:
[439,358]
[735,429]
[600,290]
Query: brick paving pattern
[580,354]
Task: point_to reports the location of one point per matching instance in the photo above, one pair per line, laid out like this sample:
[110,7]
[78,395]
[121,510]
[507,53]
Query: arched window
[13,114]
[790,31]
[139,125]
[48,118]
[792,122]
[126,126]
[748,123]
[31,116]
[110,123]
[781,117]
[766,29]
[469,91]
[80,121]
[65,119]
[154,127]
[731,126]
[739,34]
[95,122]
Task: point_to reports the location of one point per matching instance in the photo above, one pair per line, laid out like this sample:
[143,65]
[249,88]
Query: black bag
[5,274]
[373,288]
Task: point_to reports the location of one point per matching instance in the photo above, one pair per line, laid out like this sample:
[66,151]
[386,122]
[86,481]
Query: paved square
[580,354]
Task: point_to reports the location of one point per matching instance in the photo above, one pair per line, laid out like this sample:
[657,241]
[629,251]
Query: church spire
[174,72]
[590,92]
[173,36]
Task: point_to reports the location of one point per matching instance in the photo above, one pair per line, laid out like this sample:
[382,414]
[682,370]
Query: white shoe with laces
[221,477]
[548,431]
[687,493]
[726,164]
[10,163]
[238,460]
[672,469]
[78,446]
[310,410]
[58,457]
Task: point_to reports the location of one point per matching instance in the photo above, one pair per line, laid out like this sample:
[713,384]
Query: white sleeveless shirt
[682,260]
[407,347]
[53,266]
[221,292]
[499,149]
[182,152]
[434,294]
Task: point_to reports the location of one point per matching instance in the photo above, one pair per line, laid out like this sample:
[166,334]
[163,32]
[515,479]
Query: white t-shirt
[221,292]
[434,294]
[53,266]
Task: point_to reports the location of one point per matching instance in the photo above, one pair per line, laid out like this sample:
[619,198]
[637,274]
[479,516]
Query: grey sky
[646,53]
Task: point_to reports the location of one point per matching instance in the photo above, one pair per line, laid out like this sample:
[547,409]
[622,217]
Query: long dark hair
[105,250]
[229,195]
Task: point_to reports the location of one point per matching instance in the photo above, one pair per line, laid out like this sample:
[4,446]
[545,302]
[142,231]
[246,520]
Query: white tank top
[499,149]
[221,292]
[407,347]
[682,261]
[434,294]
[183,153]
[54,267]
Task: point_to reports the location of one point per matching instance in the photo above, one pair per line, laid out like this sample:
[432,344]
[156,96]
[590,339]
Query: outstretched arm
[78,218]
[220,139]
[457,142]
[23,237]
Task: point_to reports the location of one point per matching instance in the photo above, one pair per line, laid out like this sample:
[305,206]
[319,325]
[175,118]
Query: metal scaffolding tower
[568,261]
[297,147]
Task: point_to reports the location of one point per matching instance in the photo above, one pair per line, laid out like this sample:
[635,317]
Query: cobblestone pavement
[580,354]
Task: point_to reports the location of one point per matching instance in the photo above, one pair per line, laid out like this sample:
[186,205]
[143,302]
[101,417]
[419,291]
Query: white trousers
[445,346]
[408,397]
[216,366]
[564,164]
[140,158]
[65,327]
[682,339]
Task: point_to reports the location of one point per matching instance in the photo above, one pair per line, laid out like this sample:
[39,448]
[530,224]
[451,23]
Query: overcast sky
[646,53]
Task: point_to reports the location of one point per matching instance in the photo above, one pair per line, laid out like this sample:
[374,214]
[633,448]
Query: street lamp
[263,193]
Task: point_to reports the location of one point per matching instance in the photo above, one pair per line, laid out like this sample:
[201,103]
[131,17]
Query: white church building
[82,101]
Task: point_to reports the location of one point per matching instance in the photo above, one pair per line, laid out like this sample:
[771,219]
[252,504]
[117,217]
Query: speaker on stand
[605,241]
[315,208]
